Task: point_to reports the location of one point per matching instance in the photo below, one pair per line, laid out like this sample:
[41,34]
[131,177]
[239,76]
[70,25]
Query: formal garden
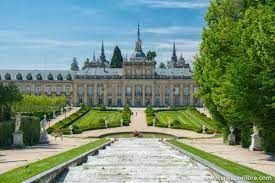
[88,118]
[187,118]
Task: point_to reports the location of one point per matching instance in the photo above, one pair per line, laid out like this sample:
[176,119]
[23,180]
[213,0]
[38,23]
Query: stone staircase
[139,160]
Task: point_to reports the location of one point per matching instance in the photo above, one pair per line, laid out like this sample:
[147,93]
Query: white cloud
[190,4]
[172,30]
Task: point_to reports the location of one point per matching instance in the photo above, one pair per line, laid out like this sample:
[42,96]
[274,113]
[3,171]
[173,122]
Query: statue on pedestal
[54,115]
[17,135]
[255,140]
[43,132]
[169,124]
[231,137]
[121,122]
[154,122]
[106,124]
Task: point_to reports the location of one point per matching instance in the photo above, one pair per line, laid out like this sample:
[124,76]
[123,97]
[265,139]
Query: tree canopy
[117,59]
[9,95]
[74,65]
[235,68]
[86,64]
[151,55]
[162,65]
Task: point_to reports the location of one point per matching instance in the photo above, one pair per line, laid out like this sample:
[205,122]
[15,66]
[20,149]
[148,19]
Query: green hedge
[69,120]
[6,129]
[30,126]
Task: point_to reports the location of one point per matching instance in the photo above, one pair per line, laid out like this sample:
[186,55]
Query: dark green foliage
[69,120]
[31,130]
[6,130]
[86,64]
[151,55]
[126,115]
[30,126]
[162,65]
[236,65]
[74,65]
[117,59]
[9,95]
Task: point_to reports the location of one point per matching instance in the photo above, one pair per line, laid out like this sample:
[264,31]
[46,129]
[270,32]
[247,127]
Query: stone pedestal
[43,137]
[18,139]
[255,143]
[231,139]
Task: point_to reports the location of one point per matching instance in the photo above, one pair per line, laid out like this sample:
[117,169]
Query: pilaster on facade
[171,95]
[95,94]
[85,101]
[105,94]
[181,94]
[191,90]
[162,95]
[133,94]
[143,95]
[153,94]
[75,93]
[123,94]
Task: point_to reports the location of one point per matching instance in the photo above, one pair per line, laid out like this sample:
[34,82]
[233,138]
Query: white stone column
[191,90]
[123,94]
[95,94]
[143,95]
[162,88]
[171,95]
[133,94]
[85,92]
[74,94]
[153,95]
[114,95]
[181,95]
[105,95]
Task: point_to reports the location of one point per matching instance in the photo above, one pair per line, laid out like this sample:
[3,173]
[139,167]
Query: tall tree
[86,64]
[117,58]
[74,65]
[9,95]
[151,55]
[162,65]
[235,67]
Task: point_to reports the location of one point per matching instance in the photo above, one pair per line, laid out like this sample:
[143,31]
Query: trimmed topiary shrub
[31,129]
[6,130]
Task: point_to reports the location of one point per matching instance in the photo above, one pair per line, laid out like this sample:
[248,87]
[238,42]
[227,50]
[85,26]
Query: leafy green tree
[9,95]
[162,65]
[117,58]
[235,67]
[86,64]
[151,55]
[74,65]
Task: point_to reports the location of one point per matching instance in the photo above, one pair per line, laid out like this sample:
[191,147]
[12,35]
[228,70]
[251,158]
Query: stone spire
[138,42]
[94,57]
[174,57]
[102,55]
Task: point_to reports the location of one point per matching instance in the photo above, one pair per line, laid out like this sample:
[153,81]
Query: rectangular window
[186,91]
[68,90]
[58,90]
[90,91]
[37,90]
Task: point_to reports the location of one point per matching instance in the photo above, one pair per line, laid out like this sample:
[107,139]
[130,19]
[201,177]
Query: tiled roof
[46,74]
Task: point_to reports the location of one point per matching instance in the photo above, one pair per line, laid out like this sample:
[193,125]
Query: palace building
[138,83]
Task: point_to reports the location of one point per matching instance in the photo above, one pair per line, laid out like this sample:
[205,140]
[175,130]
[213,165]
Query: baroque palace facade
[138,83]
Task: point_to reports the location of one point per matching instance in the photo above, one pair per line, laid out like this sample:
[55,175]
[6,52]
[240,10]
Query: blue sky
[47,34]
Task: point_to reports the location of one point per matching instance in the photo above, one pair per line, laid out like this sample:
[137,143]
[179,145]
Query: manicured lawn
[189,119]
[20,174]
[230,166]
[93,120]
[145,135]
